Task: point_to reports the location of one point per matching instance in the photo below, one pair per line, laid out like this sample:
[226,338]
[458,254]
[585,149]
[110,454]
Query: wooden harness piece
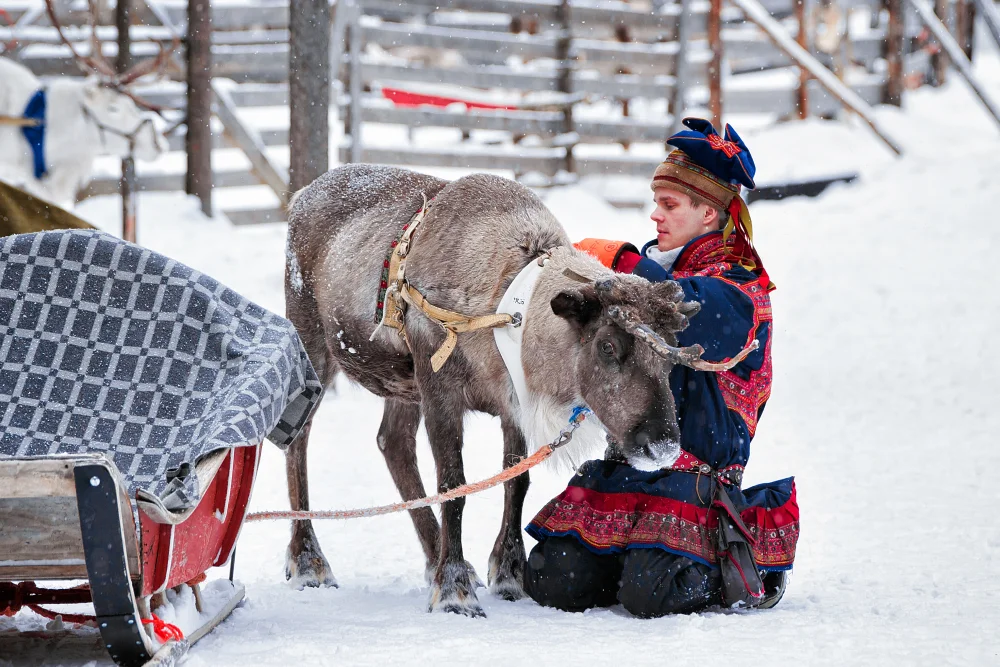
[19,121]
[400,293]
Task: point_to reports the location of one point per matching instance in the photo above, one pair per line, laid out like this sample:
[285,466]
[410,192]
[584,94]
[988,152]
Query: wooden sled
[69,517]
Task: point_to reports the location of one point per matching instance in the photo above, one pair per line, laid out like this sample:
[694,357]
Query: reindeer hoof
[506,574]
[454,591]
[309,569]
[510,590]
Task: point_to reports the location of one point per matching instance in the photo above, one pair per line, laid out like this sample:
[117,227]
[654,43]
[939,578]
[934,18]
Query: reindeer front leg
[506,575]
[397,440]
[454,586]
[305,563]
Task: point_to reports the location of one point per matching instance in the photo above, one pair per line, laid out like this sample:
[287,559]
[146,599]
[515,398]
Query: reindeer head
[124,129]
[627,330]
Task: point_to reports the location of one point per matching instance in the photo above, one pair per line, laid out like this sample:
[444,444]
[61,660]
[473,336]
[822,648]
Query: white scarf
[664,259]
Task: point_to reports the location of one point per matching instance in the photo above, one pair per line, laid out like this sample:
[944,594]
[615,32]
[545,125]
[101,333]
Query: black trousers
[648,583]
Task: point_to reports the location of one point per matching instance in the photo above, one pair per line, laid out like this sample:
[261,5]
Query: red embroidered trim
[744,397]
[618,521]
[384,279]
[720,144]
[682,159]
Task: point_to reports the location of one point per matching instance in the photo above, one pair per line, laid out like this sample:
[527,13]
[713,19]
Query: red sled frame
[69,517]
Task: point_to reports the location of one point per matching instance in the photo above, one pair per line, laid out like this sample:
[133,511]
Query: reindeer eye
[607,348]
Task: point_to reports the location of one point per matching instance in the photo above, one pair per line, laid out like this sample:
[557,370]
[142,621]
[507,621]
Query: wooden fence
[572,55]
[578,67]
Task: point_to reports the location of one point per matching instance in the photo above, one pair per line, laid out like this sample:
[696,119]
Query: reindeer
[590,338]
[83,118]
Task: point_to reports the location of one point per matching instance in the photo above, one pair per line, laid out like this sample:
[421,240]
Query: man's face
[678,219]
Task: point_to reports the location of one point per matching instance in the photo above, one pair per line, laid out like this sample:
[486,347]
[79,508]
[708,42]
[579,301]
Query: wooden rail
[577,66]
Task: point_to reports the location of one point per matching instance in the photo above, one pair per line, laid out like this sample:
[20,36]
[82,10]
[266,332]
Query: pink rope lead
[579,414]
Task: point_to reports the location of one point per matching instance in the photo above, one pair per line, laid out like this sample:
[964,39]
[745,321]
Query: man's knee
[564,574]
[656,583]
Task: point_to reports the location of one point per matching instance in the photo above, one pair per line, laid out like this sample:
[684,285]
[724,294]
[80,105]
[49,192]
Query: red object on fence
[12,44]
[408,98]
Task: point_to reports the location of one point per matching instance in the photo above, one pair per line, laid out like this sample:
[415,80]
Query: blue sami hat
[728,158]
[711,168]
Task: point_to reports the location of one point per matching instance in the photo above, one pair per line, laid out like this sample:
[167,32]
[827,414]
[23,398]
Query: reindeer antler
[157,64]
[96,62]
[89,64]
[686,356]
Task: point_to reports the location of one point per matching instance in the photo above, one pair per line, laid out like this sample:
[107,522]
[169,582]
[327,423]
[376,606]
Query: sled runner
[70,517]
[135,395]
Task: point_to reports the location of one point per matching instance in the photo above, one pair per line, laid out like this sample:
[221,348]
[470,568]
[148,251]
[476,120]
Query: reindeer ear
[580,307]
[91,86]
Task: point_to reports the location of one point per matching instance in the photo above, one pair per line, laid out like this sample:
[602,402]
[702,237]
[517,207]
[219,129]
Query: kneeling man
[683,538]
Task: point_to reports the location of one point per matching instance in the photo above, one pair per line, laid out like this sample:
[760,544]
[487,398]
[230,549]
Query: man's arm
[726,320]
[725,323]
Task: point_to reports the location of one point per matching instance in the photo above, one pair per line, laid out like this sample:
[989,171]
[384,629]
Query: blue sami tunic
[611,507]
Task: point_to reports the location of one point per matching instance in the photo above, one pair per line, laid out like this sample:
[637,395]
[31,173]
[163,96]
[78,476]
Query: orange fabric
[605,251]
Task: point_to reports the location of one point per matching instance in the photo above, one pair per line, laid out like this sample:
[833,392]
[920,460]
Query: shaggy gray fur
[479,233]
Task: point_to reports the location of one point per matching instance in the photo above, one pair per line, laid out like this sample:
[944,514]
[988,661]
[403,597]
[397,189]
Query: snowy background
[884,408]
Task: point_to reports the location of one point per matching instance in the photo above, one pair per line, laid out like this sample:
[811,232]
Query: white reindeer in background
[83,118]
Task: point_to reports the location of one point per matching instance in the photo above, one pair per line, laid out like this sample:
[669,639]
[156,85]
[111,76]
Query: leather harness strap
[453,323]
[400,291]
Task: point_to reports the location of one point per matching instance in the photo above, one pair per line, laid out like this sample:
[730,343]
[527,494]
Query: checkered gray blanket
[108,347]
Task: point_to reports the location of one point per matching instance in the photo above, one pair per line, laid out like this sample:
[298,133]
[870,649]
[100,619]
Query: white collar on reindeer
[515,303]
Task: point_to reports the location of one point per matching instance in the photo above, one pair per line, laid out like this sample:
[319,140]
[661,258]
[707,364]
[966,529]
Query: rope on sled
[28,594]
[579,414]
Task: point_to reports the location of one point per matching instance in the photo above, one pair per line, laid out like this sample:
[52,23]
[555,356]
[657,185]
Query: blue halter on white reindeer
[35,133]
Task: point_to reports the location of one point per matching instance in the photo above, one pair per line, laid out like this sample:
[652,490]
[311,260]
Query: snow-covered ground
[882,408]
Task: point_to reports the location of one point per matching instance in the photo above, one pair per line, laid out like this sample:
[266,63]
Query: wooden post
[127,185]
[894,53]
[954,51]
[308,91]
[802,94]
[198,142]
[338,40]
[565,78]
[965,25]
[939,60]
[354,118]
[715,64]
[759,15]
[678,95]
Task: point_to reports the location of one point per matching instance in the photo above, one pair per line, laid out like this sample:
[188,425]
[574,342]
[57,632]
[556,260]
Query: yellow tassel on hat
[739,218]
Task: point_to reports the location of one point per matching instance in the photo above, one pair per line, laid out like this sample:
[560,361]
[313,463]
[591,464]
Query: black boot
[774,588]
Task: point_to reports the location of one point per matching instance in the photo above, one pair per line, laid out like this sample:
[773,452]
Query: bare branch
[686,356]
